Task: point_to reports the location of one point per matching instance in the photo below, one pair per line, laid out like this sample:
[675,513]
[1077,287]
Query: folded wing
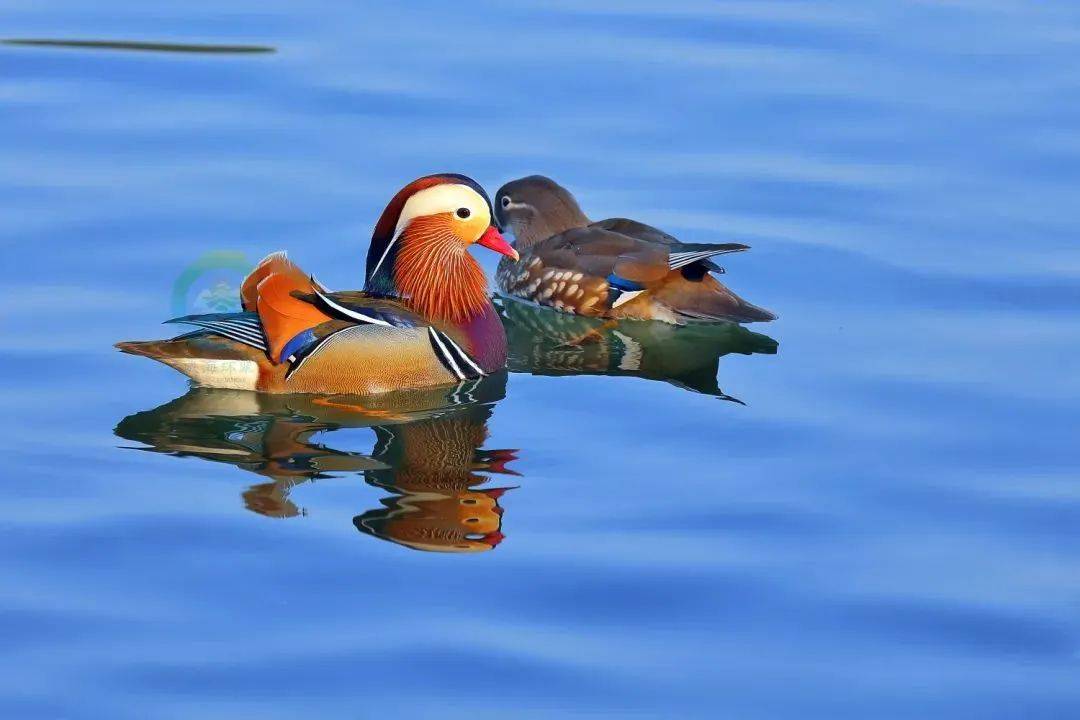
[678,250]
[273,290]
[294,319]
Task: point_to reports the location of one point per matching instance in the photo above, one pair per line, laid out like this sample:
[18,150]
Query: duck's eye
[505,201]
[464,213]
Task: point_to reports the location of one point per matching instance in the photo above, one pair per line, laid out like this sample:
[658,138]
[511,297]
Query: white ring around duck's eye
[505,201]
[464,213]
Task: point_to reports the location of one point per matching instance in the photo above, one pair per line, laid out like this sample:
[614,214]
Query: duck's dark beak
[493,240]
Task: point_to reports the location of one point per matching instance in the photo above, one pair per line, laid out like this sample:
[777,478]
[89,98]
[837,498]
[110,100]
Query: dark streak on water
[135,45]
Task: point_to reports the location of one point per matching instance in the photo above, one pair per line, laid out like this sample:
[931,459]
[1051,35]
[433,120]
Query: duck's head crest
[419,246]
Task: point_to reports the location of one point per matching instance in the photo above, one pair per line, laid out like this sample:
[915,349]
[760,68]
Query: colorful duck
[615,268]
[423,319]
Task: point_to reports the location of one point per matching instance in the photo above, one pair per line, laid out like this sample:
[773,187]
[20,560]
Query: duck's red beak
[493,240]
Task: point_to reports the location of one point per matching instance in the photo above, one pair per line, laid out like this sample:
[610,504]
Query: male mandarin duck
[616,268]
[423,319]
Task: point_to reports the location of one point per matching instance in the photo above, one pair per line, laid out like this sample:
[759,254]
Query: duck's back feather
[600,271]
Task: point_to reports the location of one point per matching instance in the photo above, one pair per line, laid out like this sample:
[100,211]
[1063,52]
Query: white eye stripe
[447,198]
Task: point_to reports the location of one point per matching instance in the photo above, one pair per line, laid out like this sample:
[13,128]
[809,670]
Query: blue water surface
[888,527]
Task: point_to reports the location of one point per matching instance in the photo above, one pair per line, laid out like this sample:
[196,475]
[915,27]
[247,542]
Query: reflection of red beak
[497,460]
[493,240]
[493,538]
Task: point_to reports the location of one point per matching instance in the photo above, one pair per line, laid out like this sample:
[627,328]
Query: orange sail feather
[269,290]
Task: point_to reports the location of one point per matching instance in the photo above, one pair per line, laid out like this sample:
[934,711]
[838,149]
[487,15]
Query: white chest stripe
[384,254]
[444,353]
[464,355]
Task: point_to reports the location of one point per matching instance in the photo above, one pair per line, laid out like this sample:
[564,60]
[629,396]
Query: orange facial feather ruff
[435,272]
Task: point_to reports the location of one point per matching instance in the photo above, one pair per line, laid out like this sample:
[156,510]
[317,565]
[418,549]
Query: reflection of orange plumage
[468,521]
[436,465]
[271,499]
[428,453]
[437,455]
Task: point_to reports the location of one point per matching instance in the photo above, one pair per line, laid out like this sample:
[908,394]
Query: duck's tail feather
[207,358]
[709,301]
[683,254]
[153,349]
[244,327]
[744,313]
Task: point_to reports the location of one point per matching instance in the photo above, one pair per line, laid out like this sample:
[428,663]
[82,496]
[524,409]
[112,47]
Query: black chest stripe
[453,357]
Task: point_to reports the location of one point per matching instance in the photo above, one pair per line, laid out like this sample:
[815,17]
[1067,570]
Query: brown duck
[616,268]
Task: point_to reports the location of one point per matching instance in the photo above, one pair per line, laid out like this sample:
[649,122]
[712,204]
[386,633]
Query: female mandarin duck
[615,268]
[423,319]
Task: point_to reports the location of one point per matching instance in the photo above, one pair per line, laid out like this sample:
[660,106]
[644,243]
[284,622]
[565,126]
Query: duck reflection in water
[427,453]
[427,450]
[542,341]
